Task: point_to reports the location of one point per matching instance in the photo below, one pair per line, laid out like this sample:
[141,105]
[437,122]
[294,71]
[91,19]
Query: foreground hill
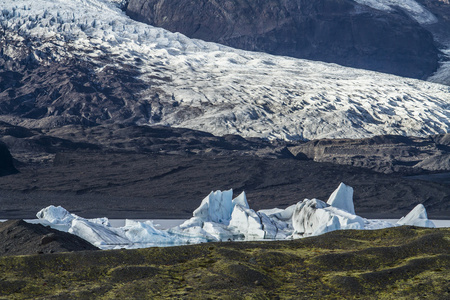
[18,237]
[400,263]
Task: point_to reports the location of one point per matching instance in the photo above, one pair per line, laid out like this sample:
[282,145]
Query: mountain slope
[85,61]
[361,34]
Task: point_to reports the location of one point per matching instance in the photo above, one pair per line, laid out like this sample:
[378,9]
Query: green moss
[392,263]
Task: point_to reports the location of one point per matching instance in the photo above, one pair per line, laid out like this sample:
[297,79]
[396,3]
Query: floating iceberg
[314,217]
[417,217]
[342,198]
[220,217]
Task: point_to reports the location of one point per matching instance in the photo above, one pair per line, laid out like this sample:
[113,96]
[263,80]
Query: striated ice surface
[315,217]
[209,87]
[216,207]
[97,234]
[221,218]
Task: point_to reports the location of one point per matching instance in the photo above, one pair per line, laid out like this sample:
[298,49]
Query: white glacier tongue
[342,198]
[221,218]
[417,217]
[213,88]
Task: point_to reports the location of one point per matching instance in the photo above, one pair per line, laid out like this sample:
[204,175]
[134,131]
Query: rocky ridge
[385,154]
[6,161]
[18,237]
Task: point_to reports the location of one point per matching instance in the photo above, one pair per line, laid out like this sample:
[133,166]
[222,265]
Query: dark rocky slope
[153,172]
[441,29]
[42,91]
[18,237]
[6,161]
[385,154]
[338,31]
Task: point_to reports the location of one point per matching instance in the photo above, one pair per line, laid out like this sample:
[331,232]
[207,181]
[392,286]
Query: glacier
[411,7]
[210,87]
[222,218]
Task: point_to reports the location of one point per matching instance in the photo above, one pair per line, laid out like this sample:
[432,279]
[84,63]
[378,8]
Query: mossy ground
[395,263]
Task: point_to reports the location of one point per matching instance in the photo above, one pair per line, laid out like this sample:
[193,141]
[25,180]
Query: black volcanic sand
[21,238]
[395,263]
[126,185]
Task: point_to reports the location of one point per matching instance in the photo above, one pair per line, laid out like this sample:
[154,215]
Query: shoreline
[168,223]
[142,215]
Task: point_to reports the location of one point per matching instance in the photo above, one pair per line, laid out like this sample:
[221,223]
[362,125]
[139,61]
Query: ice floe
[220,218]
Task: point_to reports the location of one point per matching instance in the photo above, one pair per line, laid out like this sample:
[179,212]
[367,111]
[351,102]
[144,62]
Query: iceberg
[56,215]
[417,217]
[97,234]
[222,218]
[314,217]
[96,231]
[216,207]
[252,225]
[342,198]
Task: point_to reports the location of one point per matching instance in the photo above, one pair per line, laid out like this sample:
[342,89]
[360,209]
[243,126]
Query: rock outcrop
[338,31]
[440,9]
[386,154]
[6,161]
[18,237]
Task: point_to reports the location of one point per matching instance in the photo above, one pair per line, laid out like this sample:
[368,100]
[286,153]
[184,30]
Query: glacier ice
[55,215]
[314,217]
[417,217]
[252,225]
[216,207]
[342,198]
[220,218]
[235,92]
